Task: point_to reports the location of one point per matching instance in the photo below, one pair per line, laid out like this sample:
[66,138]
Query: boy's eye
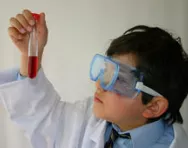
[122,81]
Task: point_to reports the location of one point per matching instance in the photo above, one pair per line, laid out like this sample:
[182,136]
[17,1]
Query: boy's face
[118,109]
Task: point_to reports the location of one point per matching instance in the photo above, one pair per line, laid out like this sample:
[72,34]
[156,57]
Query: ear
[155,108]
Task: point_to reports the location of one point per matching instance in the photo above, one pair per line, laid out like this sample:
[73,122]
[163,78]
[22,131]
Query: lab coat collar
[180,137]
[98,131]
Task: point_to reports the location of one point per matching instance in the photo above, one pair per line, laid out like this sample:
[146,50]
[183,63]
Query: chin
[98,113]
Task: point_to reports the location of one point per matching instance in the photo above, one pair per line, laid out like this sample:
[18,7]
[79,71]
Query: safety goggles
[117,77]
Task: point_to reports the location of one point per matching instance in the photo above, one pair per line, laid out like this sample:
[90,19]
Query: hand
[19,31]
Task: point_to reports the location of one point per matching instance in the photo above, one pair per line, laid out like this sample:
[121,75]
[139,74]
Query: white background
[78,30]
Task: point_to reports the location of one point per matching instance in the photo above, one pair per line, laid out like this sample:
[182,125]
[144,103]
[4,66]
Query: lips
[97,99]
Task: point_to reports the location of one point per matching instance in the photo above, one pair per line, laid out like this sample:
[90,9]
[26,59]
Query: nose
[99,89]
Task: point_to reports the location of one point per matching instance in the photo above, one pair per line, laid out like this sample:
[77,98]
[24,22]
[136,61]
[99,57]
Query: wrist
[24,65]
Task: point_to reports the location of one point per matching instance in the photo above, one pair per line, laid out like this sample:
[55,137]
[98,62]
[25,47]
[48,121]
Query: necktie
[113,136]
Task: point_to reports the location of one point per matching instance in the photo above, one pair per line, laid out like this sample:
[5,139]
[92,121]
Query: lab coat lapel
[98,134]
[180,137]
[94,136]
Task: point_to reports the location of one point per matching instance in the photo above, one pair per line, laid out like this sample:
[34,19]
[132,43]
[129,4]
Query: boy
[141,84]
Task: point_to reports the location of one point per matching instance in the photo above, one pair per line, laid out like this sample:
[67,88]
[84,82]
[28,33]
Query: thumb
[42,20]
[41,24]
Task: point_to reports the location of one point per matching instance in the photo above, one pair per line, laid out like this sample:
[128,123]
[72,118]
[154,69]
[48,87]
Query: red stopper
[36,16]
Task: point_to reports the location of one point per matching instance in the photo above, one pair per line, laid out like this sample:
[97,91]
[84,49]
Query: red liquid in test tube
[32,66]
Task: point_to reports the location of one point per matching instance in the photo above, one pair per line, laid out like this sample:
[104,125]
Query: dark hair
[162,60]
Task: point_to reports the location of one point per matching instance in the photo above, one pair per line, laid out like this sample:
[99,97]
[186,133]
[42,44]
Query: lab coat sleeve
[33,104]
[8,75]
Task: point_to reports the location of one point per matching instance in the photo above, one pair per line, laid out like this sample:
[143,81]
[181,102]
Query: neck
[129,126]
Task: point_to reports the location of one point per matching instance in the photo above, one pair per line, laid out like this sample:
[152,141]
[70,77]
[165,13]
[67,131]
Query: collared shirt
[19,77]
[145,136]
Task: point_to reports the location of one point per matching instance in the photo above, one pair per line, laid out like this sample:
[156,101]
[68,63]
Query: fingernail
[29,29]
[31,22]
[22,30]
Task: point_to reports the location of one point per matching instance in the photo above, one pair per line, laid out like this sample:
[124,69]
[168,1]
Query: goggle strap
[147,90]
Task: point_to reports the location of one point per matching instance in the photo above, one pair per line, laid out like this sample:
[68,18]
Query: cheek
[115,108]
[115,105]
[121,108]
[109,107]
[98,109]
[134,110]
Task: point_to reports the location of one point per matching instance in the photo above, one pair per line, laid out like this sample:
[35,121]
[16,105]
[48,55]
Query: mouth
[96,99]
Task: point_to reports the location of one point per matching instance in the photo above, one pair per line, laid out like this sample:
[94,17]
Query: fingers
[16,24]
[23,22]
[29,17]
[14,33]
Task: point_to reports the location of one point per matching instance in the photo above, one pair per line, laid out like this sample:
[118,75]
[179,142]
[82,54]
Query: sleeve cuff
[20,77]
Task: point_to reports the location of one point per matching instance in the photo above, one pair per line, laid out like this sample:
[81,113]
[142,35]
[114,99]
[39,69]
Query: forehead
[129,59]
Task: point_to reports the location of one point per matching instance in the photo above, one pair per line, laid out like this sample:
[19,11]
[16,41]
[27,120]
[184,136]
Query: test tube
[33,50]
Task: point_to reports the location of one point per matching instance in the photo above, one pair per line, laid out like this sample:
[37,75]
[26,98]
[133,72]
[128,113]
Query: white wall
[78,30]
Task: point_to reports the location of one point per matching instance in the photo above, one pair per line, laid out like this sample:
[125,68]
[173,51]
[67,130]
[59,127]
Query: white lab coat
[50,123]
